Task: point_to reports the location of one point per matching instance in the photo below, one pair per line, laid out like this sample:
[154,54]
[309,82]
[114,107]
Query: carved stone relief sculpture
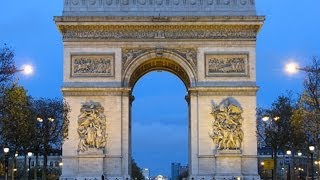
[226,64]
[227,125]
[92,65]
[91,126]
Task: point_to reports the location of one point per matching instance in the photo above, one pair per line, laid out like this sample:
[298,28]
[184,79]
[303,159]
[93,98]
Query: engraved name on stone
[92,65]
[226,64]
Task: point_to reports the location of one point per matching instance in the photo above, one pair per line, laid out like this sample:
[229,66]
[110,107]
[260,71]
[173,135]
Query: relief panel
[92,65]
[227,65]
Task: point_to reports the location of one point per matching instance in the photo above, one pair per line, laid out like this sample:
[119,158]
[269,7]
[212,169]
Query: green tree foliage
[136,172]
[16,125]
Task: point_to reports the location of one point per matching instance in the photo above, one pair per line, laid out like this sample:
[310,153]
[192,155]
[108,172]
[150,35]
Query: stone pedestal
[90,166]
[227,162]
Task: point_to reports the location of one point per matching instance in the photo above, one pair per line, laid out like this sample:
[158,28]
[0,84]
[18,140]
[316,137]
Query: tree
[16,126]
[136,172]
[49,115]
[7,67]
[309,104]
[279,131]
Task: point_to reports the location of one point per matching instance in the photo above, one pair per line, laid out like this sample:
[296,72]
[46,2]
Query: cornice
[179,19]
[101,28]
[95,91]
[224,91]
[159,32]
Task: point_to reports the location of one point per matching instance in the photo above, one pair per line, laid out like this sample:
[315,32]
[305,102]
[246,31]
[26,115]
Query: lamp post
[26,69]
[311,148]
[29,170]
[14,170]
[289,162]
[300,169]
[293,68]
[6,162]
[270,119]
[46,127]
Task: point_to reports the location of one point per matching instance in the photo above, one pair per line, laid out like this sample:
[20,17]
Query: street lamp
[29,170]
[293,68]
[14,168]
[45,130]
[6,161]
[289,169]
[26,69]
[311,148]
[271,119]
[266,118]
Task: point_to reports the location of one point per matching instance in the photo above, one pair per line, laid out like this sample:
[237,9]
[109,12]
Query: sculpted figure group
[226,128]
[91,126]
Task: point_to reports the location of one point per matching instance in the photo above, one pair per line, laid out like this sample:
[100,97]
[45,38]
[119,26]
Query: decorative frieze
[159,32]
[227,64]
[92,65]
[227,131]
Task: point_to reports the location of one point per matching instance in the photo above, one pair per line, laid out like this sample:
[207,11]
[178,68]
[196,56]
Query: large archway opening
[159,122]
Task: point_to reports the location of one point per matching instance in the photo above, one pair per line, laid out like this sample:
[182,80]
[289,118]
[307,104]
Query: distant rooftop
[159,8]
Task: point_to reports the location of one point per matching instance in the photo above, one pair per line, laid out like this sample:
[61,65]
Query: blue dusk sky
[159,133]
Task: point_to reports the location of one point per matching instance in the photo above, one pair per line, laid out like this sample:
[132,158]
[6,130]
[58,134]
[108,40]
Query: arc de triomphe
[209,44]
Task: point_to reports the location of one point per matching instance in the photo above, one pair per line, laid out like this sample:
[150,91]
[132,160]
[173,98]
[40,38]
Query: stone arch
[155,60]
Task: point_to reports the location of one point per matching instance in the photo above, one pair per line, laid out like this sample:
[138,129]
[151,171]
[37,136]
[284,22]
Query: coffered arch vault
[163,59]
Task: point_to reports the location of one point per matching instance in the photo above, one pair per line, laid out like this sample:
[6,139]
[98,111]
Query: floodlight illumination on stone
[292,68]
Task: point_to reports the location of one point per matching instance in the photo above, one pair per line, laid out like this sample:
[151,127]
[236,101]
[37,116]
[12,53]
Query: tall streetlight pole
[289,163]
[311,148]
[300,168]
[45,125]
[265,119]
[14,170]
[6,162]
[29,170]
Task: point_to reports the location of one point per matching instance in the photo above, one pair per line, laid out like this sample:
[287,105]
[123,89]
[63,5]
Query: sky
[290,32]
